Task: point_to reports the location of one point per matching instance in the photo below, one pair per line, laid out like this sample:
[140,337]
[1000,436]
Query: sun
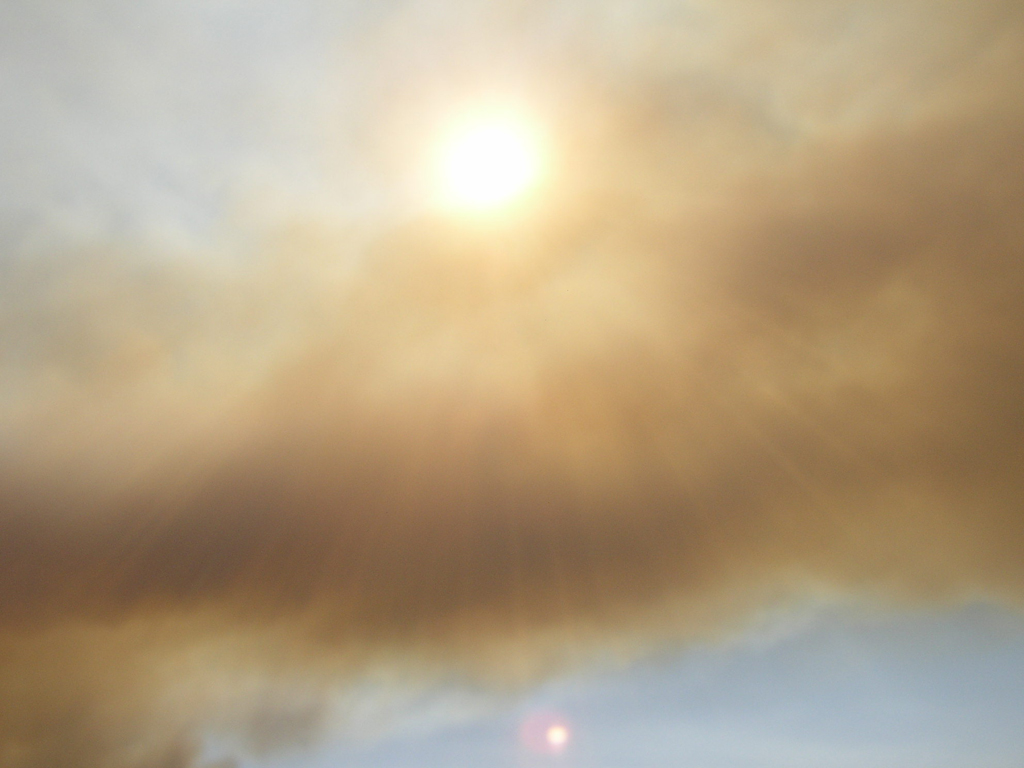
[488,162]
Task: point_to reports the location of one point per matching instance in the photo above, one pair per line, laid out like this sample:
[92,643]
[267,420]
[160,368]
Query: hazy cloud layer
[761,332]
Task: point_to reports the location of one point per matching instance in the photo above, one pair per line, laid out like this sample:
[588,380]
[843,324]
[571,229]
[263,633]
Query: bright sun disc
[488,163]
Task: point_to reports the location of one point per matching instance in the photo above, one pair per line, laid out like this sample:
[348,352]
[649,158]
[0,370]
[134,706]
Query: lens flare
[557,737]
[545,733]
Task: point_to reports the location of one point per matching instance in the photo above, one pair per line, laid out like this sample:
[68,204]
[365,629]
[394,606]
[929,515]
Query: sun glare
[488,163]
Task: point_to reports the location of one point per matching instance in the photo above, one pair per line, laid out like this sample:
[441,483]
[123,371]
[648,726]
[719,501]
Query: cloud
[762,333]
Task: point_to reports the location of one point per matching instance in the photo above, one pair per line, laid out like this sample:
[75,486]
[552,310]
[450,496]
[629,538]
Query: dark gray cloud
[762,332]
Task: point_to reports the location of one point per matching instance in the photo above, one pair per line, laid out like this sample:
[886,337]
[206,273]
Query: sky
[822,687]
[707,447]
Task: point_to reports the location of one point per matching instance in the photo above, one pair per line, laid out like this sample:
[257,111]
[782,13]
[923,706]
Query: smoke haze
[760,335]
